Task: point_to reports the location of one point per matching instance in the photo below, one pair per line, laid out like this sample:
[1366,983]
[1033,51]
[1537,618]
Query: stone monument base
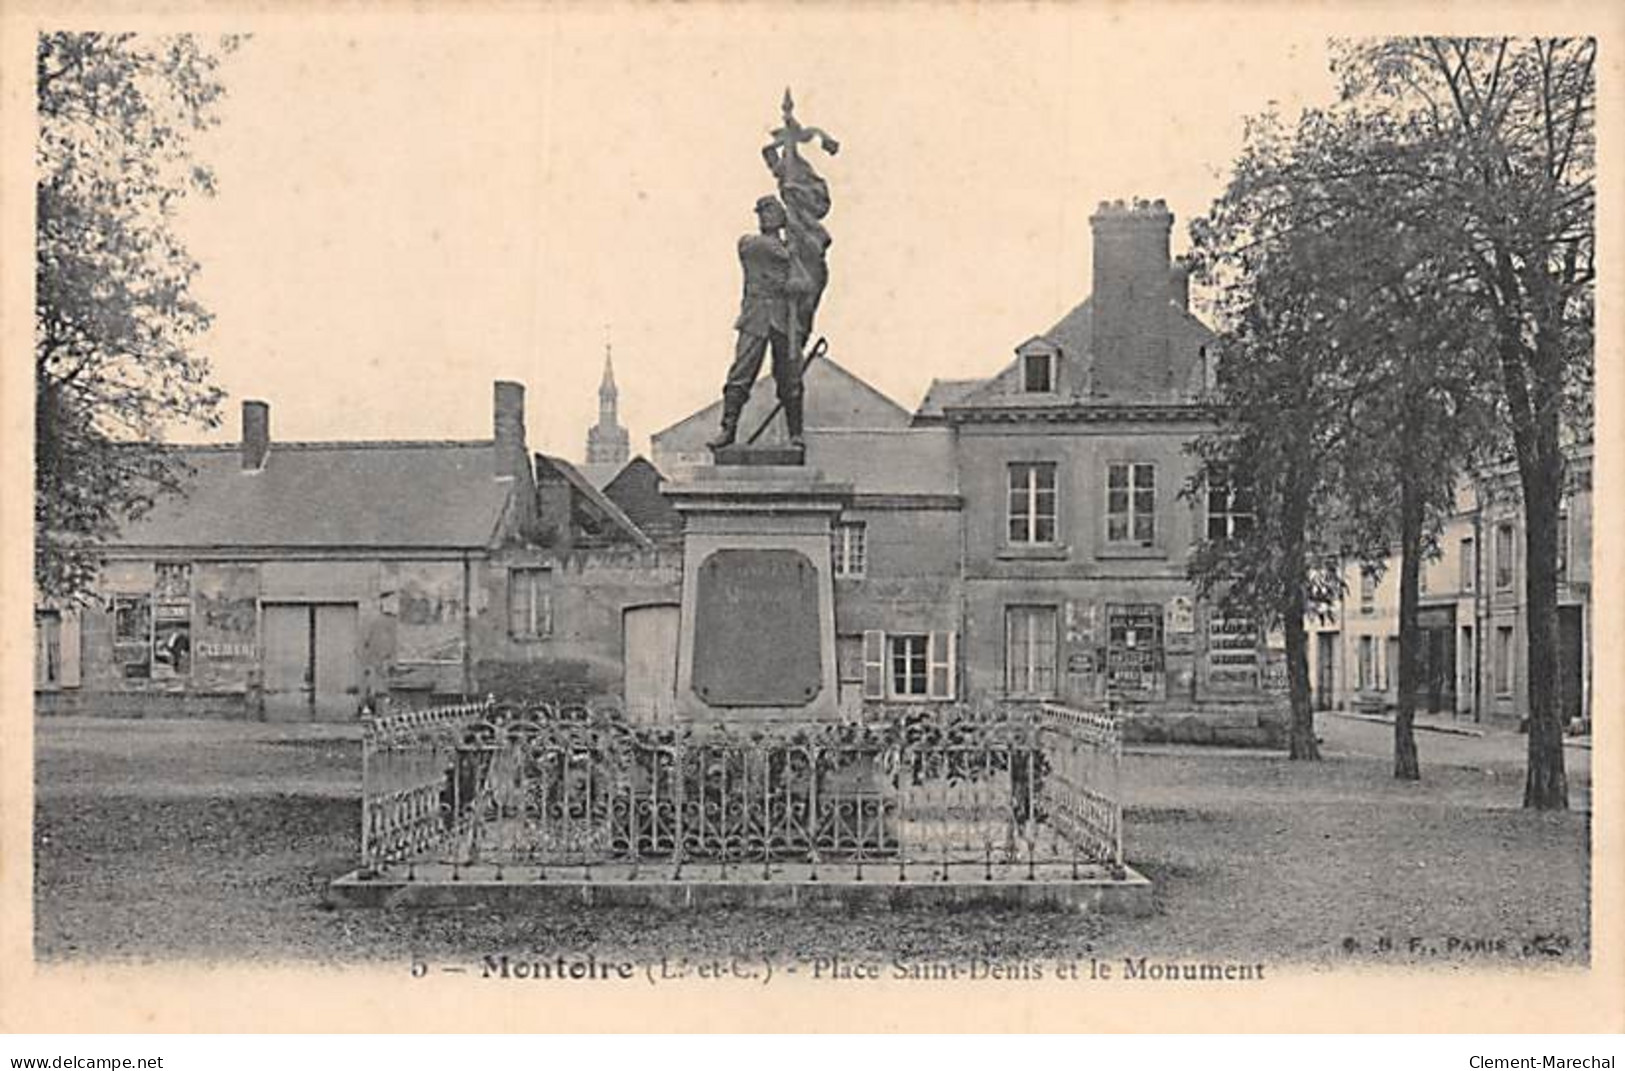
[788,886]
[756,638]
[751,454]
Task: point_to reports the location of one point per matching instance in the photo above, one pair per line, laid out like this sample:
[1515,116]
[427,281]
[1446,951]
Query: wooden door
[336,673]
[1466,675]
[285,635]
[650,633]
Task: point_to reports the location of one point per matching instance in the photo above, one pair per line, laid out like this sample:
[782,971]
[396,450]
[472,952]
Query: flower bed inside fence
[541,786]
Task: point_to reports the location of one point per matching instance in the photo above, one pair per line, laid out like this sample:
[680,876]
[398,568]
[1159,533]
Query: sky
[412,207]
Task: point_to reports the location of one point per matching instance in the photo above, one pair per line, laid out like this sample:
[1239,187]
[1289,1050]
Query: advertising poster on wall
[1134,646]
[1232,653]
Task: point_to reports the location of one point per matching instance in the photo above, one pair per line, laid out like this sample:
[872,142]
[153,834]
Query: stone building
[298,579]
[636,490]
[1070,464]
[1474,654]
[573,513]
[1020,537]
[1024,536]
[301,580]
[1354,647]
[895,558]
[588,583]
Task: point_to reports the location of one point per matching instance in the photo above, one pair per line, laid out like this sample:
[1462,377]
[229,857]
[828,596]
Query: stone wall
[184,637]
[579,653]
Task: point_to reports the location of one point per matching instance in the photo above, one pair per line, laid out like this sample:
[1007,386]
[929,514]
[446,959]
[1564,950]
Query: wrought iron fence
[544,791]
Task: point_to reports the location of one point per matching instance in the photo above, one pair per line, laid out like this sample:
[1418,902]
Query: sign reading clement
[756,639]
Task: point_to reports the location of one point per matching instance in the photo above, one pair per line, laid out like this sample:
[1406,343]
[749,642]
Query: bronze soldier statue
[764,322]
[785,275]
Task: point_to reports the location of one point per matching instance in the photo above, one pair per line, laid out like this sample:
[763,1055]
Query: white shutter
[69,639]
[874,664]
[940,666]
[518,612]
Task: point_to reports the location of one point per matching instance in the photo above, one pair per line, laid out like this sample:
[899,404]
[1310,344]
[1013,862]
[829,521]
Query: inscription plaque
[756,635]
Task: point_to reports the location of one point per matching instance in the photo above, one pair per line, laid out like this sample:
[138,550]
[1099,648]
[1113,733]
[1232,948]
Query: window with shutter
[47,649]
[70,649]
[530,604]
[909,672]
[874,664]
[941,666]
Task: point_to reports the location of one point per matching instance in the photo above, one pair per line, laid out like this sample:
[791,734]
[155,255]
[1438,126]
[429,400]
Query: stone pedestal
[757,634]
[728,457]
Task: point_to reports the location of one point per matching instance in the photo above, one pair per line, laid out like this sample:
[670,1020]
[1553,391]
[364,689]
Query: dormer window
[1038,373]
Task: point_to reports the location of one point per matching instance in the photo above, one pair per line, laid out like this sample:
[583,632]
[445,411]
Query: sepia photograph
[1076,512]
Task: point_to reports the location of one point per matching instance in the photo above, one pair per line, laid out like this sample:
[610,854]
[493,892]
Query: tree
[116,324]
[1282,399]
[1509,179]
[1422,418]
[1413,438]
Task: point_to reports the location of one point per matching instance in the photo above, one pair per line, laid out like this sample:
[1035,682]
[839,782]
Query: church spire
[607,393]
[608,442]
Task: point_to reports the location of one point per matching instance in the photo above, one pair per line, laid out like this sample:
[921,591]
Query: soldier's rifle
[818,349]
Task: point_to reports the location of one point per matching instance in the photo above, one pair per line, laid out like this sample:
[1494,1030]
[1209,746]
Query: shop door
[1436,678]
[1570,662]
[1466,676]
[1436,652]
[1326,671]
[651,663]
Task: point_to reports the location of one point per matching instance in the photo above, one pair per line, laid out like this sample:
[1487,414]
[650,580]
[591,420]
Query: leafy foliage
[116,323]
[1287,381]
[1504,189]
[1403,275]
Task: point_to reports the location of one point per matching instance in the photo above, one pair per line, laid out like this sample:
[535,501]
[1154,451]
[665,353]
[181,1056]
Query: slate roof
[1072,336]
[636,489]
[1072,332]
[597,499]
[941,393]
[600,473]
[329,494]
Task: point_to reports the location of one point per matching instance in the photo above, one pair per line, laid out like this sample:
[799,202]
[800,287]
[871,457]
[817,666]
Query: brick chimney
[508,427]
[511,457]
[1132,287]
[256,435]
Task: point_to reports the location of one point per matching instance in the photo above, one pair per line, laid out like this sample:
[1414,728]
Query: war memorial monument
[760,789]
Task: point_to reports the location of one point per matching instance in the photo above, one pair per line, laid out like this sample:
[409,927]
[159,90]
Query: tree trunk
[1301,742]
[1406,765]
[1546,787]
